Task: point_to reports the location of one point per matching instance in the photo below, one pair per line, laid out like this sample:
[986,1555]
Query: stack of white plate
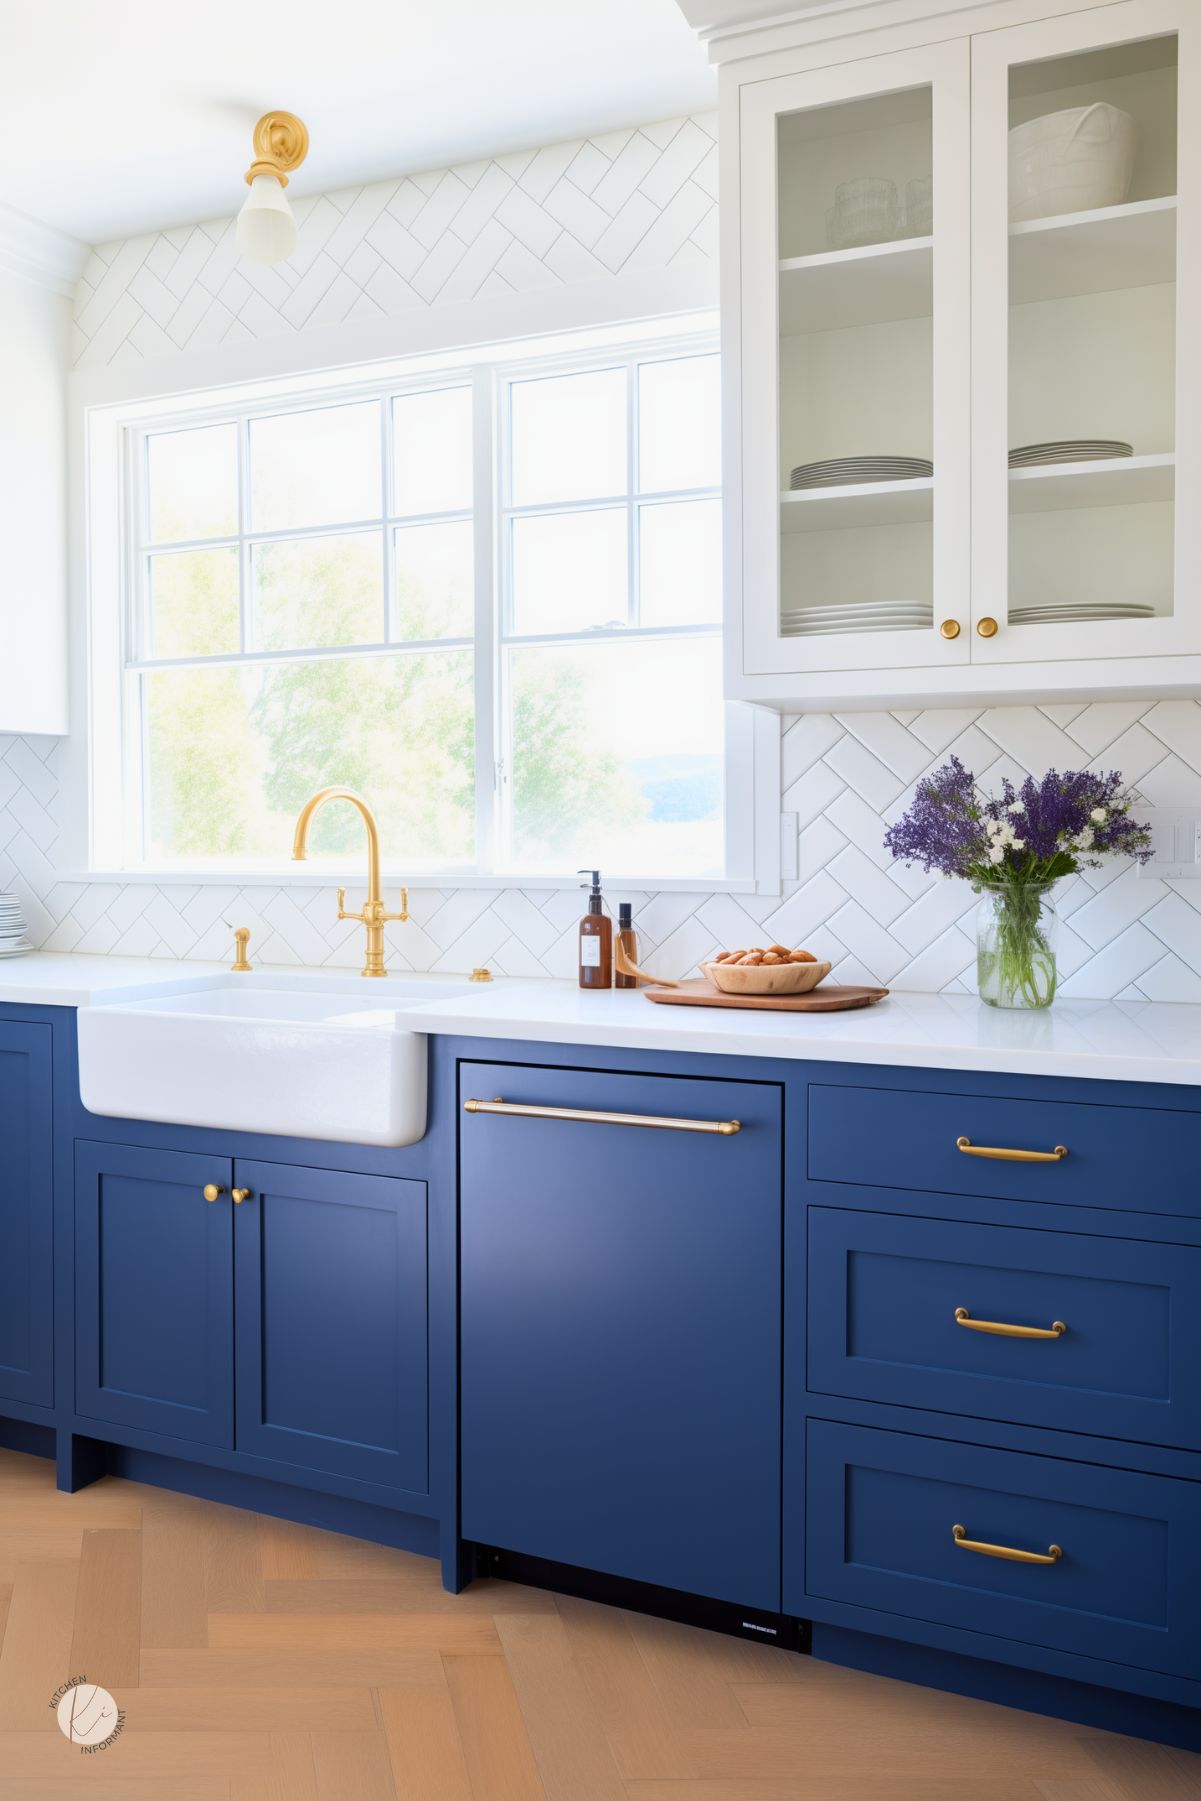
[857,616]
[1068,450]
[13,942]
[1067,613]
[839,472]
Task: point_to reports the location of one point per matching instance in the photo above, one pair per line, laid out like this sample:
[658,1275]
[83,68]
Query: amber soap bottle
[596,939]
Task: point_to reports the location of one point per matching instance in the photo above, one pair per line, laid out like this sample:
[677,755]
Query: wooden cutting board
[828,998]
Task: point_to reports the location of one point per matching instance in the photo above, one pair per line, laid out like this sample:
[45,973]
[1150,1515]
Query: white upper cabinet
[962,392]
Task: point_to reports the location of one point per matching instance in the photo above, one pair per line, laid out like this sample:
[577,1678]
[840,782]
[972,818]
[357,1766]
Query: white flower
[1018,843]
[1098,816]
[1084,840]
[996,854]
[993,826]
[1015,806]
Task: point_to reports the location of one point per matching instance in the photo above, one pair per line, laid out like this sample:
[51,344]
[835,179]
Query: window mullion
[488,809]
[245,571]
[386,483]
[633,593]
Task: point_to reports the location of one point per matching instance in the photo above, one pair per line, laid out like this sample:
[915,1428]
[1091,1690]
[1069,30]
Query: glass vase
[1016,925]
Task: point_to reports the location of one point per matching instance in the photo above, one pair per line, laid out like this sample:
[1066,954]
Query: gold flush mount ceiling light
[266,228]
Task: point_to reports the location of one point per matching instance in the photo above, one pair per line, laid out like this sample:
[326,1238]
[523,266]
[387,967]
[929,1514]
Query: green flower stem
[1015,962]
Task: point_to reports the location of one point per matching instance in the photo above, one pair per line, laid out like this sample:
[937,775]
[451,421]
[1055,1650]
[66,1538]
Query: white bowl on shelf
[1071,161]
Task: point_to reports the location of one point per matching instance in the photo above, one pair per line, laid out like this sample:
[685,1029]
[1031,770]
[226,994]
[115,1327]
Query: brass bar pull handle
[1003,1155]
[240,1195]
[724,1128]
[1001,1330]
[1010,1553]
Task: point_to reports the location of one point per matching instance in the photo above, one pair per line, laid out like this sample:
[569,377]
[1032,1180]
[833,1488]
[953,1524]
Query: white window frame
[104,823]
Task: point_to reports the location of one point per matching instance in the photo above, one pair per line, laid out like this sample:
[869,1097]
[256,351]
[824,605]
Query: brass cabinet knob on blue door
[240,1195]
[212,1191]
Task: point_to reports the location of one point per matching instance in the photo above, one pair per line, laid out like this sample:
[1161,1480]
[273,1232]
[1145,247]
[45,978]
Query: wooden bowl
[770,978]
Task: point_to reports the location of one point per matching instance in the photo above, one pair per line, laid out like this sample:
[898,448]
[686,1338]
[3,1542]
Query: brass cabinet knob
[950,628]
[240,1195]
[212,1192]
[987,627]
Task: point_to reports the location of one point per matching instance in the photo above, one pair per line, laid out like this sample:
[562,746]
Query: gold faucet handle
[359,918]
[404,909]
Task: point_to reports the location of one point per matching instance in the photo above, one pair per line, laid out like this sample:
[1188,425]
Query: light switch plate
[1176,843]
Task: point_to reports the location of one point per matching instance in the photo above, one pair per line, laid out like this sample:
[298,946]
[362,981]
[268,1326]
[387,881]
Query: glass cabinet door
[1086,337]
[854,346]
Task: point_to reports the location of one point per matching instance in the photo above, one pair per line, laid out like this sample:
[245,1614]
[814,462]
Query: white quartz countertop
[1112,1040]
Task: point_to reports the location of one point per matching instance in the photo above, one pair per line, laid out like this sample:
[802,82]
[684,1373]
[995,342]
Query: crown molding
[737,28]
[39,254]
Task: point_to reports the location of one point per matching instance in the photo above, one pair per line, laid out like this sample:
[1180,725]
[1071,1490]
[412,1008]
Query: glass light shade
[266,228]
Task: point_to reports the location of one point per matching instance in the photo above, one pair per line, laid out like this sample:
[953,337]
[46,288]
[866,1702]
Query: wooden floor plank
[405,1593]
[496,1747]
[233,1564]
[693,1670]
[352,1766]
[1142,1771]
[288,1551]
[36,1655]
[352,1632]
[573,1755]
[880,1787]
[424,1745]
[106,1644]
[91,1784]
[1084,1788]
[144,1756]
[306,1669]
[174,1529]
[248,1709]
[290,1777]
[630,1708]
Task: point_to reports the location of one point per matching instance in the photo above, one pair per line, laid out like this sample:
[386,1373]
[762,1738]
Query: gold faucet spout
[374,915]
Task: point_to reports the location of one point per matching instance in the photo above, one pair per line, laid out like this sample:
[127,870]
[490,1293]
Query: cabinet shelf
[1122,481]
[864,503]
[1132,246]
[836,289]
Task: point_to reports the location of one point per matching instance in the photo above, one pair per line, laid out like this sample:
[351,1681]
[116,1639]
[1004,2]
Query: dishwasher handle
[723,1128]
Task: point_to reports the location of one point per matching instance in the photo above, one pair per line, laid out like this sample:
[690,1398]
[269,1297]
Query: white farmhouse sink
[305,1056]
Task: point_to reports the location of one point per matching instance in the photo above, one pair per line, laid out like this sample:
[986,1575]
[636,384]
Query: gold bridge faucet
[373,916]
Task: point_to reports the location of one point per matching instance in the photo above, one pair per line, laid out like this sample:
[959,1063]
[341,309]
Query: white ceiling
[129,115]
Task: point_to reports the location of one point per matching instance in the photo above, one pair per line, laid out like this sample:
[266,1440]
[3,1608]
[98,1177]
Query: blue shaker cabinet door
[26,1216]
[154,1291]
[620,1335]
[331,1317]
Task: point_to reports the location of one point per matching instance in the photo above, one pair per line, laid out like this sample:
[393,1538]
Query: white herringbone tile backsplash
[636,200]
[845,777]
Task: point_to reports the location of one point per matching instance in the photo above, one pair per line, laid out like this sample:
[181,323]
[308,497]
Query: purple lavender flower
[1036,833]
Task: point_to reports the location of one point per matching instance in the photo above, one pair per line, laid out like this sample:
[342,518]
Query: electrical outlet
[1175,842]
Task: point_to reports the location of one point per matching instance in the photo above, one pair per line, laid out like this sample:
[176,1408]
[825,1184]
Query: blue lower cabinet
[620,1328]
[26,1215]
[332,1365]
[1109,1560]
[154,1291]
[928,1313]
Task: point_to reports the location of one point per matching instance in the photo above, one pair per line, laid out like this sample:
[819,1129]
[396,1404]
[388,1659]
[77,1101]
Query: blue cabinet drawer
[1135,1159]
[893,1518]
[885,1291]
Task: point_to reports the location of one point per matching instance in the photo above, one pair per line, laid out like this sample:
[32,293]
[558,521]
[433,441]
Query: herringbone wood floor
[257,1661]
